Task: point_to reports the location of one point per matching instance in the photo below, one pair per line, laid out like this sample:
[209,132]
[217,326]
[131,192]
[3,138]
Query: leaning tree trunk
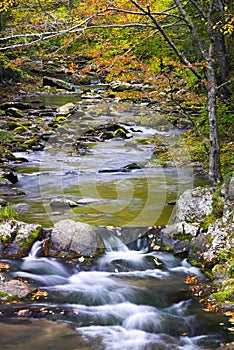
[214,161]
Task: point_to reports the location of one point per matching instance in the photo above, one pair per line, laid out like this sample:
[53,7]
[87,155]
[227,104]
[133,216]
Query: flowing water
[127,298]
[138,197]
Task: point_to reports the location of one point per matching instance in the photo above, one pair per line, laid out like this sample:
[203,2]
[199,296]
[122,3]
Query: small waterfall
[35,250]
[113,244]
[121,258]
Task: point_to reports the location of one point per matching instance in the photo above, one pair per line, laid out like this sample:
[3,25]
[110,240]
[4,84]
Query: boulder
[15,112]
[62,203]
[194,205]
[17,238]
[57,83]
[9,175]
[74,237]
[66,109]
[222,239]
[15,288]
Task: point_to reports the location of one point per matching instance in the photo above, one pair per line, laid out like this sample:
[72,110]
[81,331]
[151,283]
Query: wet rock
[21,208]
[19,105]
[80,147]
[194,205]
[3,202]
[16,288]
[73,237]
[20,160]
[125,169]
[62,203]
[49,135]
[17,238]
[14,191]
[197,247]
[8,174]
[66,109]
[120,86]
[58,83]
[15,112]
[4,182]
[105,132]
[87,201]
[181,248]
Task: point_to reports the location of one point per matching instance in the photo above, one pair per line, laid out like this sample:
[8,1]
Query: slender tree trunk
[221,54]
[214,161]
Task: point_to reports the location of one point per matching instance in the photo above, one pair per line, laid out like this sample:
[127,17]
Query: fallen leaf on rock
[23,312]
[4,266]
[39,294]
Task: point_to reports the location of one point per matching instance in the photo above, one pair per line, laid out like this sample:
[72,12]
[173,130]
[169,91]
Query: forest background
[183,49]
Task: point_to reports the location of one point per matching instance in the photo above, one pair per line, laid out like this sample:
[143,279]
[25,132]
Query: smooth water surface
[115,196]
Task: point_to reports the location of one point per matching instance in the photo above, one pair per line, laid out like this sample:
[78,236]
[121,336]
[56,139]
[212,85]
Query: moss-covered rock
[17,238]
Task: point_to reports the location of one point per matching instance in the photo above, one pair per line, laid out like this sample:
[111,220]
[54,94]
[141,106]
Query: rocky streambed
[80,172]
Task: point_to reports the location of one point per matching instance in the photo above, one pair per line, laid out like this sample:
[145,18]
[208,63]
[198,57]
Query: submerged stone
[62,203]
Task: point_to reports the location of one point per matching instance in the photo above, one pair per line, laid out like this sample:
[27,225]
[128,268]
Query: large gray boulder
[194,205]
[73,237]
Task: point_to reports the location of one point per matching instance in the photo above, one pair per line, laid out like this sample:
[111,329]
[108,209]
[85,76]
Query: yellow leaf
[22,312]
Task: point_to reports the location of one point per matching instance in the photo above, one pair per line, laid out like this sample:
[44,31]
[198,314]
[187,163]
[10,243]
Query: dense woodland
[184,49]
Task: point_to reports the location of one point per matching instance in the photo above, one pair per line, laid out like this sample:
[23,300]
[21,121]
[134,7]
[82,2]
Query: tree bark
[214,156]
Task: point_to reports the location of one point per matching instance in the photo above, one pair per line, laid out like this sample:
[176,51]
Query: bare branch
[168,40]
[200,9]
[192,29]
[140,13]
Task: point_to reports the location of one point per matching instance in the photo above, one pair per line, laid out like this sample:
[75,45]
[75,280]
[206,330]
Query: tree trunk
[214,162]
[214,155]
[221,54]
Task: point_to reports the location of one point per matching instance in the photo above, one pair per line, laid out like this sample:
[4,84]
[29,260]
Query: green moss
[7,213]
[220,270]
[12,297]
[120,133]
[31,238]
[20,129]
[224,295]
[226,257]
[60,119]
[217,210]
[6,137]
[30,142]
[182,236]
[209,219]
[27,123]
[3,294]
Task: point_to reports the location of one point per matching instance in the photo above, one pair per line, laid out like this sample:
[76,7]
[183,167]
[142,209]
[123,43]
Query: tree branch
[179,54]
[192,29]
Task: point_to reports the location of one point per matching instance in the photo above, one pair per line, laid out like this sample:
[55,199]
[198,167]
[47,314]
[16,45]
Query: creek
[128,298]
